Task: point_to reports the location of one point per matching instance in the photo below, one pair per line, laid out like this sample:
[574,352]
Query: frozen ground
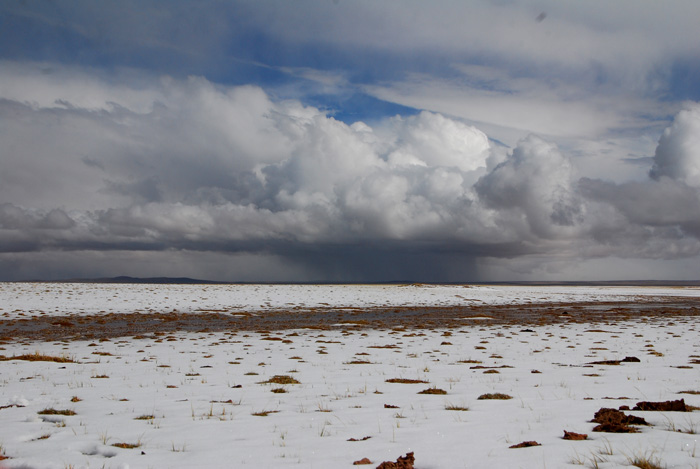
[198,399]
[25,299]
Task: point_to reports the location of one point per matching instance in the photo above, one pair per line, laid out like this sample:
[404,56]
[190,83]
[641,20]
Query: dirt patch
[433,391]
[574,436]
[666,406]
[280,379]
[525,444]
[98,326]
[406,381]
[615,421]
[403,462]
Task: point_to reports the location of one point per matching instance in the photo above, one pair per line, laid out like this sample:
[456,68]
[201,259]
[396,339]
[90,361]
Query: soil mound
[614,421]
[666,406]
[404,462]
[525,444]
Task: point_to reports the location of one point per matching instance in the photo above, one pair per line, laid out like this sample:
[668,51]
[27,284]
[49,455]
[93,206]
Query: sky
[350,141]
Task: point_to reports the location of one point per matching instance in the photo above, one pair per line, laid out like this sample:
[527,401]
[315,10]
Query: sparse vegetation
[497,395]
[456,407]
[52,411]
[126,445]
[280,379]
[645,462]
[433,391]
[406,381]
[38,357]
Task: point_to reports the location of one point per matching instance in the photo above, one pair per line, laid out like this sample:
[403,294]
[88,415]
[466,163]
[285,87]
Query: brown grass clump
[361,462]
[280,379]
[145,417]
[497,395]
[406,381]
[264,413]
[456,407]
[644,462]
[279,390]
[127,445]
[433,391]
[52,411]
[38,357]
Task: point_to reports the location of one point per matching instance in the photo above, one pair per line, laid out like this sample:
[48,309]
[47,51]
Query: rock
[525,444]
[666,406]
[404,462]
[631,360]
[575,436]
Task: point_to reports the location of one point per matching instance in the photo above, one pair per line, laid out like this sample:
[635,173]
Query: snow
[202,388]
[98,298]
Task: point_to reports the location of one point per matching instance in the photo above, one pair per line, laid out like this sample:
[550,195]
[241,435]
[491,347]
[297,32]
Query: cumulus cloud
[535,184]
[678,153]
[194,167]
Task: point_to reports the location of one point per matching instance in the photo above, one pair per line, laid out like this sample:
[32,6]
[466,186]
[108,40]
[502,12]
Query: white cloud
[678,153]
[214,169]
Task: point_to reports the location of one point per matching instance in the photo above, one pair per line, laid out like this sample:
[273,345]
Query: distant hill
[194,281]
[149,280]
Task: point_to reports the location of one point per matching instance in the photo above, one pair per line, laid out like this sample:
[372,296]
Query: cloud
[678,153]
[536,182]
[195,170]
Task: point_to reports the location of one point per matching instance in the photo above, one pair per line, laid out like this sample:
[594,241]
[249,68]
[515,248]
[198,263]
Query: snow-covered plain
[199,399]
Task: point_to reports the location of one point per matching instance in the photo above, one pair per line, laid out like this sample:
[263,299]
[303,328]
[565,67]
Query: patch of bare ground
[666,406]
[574,436]
[497,396]
[38,357]
[126,445]
[280,379]
[525,444]
[406,381]
[100,326]
[433,391]
[403,462]
[615,421]
[52,411]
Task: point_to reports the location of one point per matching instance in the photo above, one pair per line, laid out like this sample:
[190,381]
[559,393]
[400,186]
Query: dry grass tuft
[406,381]
[38,357]
[280,379]
[126,445]
[645,462]
[52,411]
[496,395]
[433,391]
[456,407]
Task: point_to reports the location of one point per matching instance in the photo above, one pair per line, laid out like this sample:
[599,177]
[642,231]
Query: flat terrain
[322,376]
